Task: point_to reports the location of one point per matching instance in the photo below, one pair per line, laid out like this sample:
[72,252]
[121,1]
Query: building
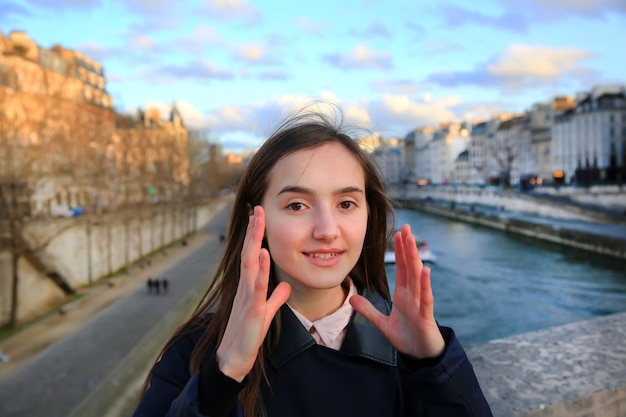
[480,135]
[541,117]
[389,158]
[589,140]
[61,138]
[447,144]
[462,168]
[151,158]
[417,159]
[510,149]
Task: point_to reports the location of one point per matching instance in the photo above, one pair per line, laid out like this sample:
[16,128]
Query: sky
[237,68]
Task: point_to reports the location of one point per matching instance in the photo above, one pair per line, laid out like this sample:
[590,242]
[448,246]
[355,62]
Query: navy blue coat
[366,377]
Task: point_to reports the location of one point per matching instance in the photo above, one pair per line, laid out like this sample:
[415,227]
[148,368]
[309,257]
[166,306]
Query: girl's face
[315,217]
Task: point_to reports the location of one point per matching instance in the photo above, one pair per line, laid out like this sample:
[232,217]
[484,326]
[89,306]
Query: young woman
[298,320]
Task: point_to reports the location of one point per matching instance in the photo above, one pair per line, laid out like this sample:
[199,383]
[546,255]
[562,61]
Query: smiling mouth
[323,255]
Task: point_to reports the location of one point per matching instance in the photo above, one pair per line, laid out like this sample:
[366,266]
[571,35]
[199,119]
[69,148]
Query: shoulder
[178,352]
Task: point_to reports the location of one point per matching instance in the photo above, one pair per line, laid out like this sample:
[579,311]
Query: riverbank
[593,236]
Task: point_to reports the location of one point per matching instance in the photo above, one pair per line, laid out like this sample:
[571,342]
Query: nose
[326,227]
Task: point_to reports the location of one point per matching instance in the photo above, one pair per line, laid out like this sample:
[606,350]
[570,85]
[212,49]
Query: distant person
[165,284]
[157,286]
[298,320]
[150,285]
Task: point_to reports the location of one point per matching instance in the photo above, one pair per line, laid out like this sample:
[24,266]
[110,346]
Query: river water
[490,284]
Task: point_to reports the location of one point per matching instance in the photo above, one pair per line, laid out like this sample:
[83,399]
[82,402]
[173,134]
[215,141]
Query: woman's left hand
[410,327]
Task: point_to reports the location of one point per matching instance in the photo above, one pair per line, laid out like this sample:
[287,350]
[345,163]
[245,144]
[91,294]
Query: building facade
[589,140]
[60,135]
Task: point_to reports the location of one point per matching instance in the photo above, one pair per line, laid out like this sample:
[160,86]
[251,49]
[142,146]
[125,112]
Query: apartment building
[482,166]
[541,118]
[417,160]
[447,144]
[589,140]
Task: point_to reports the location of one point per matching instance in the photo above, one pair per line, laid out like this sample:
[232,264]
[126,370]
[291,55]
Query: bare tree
[508,151]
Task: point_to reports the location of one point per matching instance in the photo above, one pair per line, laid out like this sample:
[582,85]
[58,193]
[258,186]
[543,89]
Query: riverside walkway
[96,365]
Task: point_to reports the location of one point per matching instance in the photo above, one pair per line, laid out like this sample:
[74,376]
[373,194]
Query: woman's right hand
[252,311]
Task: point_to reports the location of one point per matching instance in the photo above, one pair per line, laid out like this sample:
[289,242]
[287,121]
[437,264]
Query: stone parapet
[574,370]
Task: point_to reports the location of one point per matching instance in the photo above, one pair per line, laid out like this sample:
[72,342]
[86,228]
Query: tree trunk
[15,257]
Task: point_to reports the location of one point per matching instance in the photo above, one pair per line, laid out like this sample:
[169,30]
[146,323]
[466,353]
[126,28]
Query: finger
[414,266]
[367,310]
[401,266]
[263,274]
[251,252]
[427,299]
[247,236]
[279,296]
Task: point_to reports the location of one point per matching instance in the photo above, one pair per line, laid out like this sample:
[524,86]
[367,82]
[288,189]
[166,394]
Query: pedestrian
[150,285]
[298,320]
[156,283]
[165,284]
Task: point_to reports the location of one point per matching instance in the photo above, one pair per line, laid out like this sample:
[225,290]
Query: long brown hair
[306,129]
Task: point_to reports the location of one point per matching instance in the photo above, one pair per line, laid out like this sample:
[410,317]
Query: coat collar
[362,337]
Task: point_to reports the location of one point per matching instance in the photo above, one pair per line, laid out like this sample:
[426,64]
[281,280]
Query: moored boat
[425,253]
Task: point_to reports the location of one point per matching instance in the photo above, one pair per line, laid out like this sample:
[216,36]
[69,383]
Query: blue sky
[237,67]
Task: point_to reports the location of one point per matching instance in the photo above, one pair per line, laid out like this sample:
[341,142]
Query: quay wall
[82,250]
[513,201]
[605,245]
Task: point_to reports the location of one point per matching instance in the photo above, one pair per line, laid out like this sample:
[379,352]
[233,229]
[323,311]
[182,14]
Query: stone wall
[81,250]
[518,202]
[574,370]
[597,243]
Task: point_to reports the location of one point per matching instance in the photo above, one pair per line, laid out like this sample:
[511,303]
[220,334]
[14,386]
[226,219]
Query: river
[490,284]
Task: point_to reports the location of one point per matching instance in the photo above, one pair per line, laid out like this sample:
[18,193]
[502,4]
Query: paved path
[87,364]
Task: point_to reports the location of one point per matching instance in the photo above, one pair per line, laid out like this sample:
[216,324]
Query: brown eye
[296,206]
[347,205]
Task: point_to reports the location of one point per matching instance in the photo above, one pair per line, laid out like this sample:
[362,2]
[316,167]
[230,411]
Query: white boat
[425,253]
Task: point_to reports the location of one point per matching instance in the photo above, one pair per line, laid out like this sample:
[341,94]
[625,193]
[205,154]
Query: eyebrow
[305,190]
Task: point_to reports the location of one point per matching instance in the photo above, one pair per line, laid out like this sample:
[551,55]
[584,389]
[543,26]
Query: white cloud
[530,61]
[206,34]
[523,67]
[361,57]
[552,9]
[233,9]
[402,111]
[310,26]
[93,50]
[250,52]
[388,114]
[141,42]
